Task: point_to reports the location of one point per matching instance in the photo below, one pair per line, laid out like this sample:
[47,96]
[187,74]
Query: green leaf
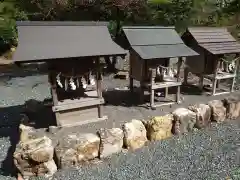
[158,2]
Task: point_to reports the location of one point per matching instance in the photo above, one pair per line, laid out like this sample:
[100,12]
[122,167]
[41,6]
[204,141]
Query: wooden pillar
[166,92]
[186,71]
[152,79]
[235,73]
[220,65]
[201,78]
[131,84]
[180,60]
[214,83]
[53,86]
[99,86]
[130,74]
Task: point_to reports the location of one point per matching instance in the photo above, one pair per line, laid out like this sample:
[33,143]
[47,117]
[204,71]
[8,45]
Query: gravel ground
[208,154]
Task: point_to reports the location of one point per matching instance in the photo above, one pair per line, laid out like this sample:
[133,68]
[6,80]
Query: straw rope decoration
[231,64]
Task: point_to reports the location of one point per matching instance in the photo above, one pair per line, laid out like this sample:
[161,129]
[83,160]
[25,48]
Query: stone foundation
[34,155]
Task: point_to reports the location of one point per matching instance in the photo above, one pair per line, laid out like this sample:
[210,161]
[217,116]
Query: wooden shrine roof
[151,42]
[46,40]
[215,40]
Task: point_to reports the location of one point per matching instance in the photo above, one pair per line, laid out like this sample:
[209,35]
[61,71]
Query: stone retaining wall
[40,155]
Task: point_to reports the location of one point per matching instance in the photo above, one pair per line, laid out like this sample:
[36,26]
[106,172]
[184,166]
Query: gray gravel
[210,154]
[18,90]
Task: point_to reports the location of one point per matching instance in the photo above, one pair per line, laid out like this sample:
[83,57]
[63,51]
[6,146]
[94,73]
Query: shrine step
[74,122]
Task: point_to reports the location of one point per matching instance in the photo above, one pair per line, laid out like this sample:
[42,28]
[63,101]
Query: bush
[8,16]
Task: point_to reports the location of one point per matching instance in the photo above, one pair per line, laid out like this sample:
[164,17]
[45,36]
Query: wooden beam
[165,84]
[99,87]
[166,92]
[162,104]
[180,60]
[78,104]
[186,71]
[130,75]
[152,79]
[214,84]
[52,82]
[235,73]
[201,78]
[178,95]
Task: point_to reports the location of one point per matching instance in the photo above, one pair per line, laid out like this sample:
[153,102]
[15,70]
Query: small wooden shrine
[72,51]
[151,49]
[212,44]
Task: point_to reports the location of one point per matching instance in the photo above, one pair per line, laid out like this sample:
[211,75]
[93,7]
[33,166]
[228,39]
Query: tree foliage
[180,13]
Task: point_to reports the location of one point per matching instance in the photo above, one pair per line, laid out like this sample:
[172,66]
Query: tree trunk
[111,64]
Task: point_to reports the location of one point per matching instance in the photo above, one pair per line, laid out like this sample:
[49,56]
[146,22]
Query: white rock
[135,134]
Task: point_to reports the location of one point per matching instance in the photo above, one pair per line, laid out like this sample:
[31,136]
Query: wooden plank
[218,77]
[202,36]
[227,76]
[217,45]
[208,30]
[78,104]
[209,39]
[79,116]
[162,104]
[222,48]
[220,93]
[166,84]
[80,123]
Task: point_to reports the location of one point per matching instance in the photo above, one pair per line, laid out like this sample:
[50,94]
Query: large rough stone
[29,133]
[232,105]
[34,157]
[111,141]
[218,110]
[25,132]
[203,113]
[46,169]
[184,121]
[159,127]
[76,148]
[135,134]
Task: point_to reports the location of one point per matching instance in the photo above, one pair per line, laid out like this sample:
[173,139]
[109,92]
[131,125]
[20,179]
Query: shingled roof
[45,40]
[152,42]
[215,40]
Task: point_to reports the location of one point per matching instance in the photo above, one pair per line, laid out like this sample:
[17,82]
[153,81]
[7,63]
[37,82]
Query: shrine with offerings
[151,50]
[72,51]
[213,44]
